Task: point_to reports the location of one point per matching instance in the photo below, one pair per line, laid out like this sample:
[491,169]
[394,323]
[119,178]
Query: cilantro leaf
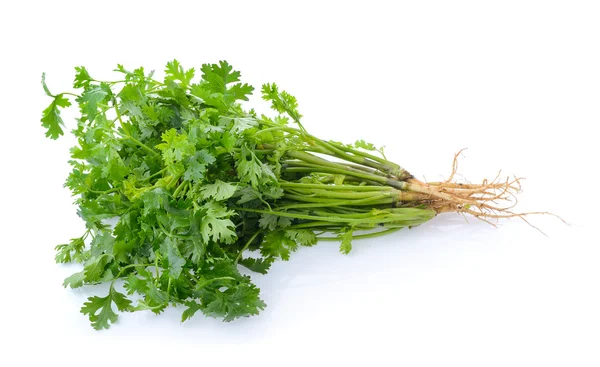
[240,301]
[176,261]
[95,267]
[74,280]
[51,119]
[175,71]
[282,102]
[273,222]
[99,309]
[364,145]
[190,311]
[218,190]
[345,237]
[82,77]
[277,244]
[176,147]
[260,265]
[304,237]
[216,224]
[68,252]
[92,96]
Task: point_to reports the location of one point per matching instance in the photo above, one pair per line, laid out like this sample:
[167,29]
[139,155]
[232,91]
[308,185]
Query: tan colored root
[479,200]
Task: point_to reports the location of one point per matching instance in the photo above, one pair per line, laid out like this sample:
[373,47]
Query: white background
[517,82]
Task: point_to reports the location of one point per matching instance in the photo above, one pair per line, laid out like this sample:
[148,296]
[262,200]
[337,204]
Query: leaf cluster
[193,183]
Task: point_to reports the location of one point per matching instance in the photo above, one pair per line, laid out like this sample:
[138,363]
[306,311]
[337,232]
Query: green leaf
[65,253]
[94,268]
[281,102]
[102,244]
[364,145]
[197,165]
[176,147]
[74,280]
[176,261]
[235,302]
[304,237]
[217,76]
[238,92]
[99,309]
[190,311]
[82,77]
[175,71]
[260,265]
[240,124]
[345,236]
[218,190]
[91,98]
[216,225]
[277,244]
[51,119]
[273,222]
[132,100]
[252,170]
[134,284]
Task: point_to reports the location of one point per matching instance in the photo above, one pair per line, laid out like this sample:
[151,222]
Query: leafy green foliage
[100,309]
[175,180]
[51,119]
[346,240]
[218,190]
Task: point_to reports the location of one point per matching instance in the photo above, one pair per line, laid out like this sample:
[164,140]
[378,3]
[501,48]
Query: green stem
[336,152]
[323,165]
[169,234]
[321,202]
[155,174]
[346,195]
[414,217]
[142,145]
[178,189]
[362,236]
[125,268]
[70,94]
[156,267]
[114,189]
[365,154]
[246,246]
[353,188]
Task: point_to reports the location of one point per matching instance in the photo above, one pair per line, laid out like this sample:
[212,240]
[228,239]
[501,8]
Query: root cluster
[488,201]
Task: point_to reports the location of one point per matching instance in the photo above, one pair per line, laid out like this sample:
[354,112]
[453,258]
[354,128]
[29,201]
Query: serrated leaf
[82,77]
[277,244]
[74,280]
[364,145]
[190,311]
[304,237]
[218,190]
[260,265]
[99,309]
[103,243]
[94,268]
[65,253]
[345,237]
[51,119]
[176,261]
[273,222]
[91,97]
